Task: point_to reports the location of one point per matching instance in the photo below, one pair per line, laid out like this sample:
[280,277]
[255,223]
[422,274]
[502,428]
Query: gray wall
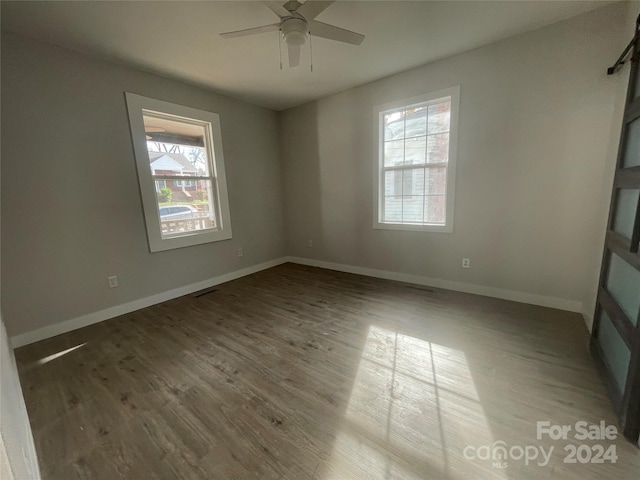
[70,201]
[536,114]
[538,123]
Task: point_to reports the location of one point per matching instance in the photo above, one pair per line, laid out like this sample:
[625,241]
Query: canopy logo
[500,454]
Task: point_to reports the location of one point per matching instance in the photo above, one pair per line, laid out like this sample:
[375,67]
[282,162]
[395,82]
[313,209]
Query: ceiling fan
[297,22]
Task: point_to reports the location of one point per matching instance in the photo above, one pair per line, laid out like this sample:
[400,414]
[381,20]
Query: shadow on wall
[328,163]
[346,176]
[301,167]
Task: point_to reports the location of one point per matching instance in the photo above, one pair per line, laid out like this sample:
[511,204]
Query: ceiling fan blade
[278,9]
[312,8]
[251,31]
[324,30]
[294,55]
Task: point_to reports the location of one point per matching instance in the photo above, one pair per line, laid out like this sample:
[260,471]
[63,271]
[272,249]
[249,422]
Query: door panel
[615,352]
[615,339]
[631,157]
[625,211]
[623,283]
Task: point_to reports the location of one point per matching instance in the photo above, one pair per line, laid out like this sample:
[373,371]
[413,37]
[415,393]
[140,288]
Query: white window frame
[220,201]
[378,181]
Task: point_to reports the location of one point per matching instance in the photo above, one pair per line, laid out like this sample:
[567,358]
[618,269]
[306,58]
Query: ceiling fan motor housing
[294,31]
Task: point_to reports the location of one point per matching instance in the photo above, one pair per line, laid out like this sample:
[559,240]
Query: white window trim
[378,179]
[135,106]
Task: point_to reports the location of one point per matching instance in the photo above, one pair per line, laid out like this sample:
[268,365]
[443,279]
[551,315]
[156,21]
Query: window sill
[188,240]
[413,228]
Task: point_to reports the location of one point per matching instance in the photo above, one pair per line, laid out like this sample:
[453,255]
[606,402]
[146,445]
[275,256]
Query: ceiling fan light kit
[294,31]
[297,23]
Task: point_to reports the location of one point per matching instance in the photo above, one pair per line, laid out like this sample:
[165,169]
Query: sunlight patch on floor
[49,358]
[413,408]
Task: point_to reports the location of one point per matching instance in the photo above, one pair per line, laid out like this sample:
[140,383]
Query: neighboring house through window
[415,164]
[172,143]
[171,163]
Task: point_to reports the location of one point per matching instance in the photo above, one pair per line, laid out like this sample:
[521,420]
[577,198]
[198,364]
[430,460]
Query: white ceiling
[179,39]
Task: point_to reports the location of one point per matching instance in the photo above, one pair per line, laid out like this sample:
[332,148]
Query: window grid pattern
[414,164]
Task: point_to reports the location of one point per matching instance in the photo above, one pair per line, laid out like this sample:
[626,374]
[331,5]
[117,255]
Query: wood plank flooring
[302,373]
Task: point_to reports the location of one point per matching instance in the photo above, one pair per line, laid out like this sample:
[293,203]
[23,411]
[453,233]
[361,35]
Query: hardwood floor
[302,373]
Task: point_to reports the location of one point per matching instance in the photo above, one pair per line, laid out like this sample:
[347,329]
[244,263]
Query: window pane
[623,283]
[439,117]
[625,216]
[438,148]
[416,122]
[436,181]
[394,126]
[616,352]
[186,161]
[175,147]
[413,181]
[393,209]
[415,150]
[394,153]
[393,183]
[434,209]
[185,210]
[632,145]
[412,209]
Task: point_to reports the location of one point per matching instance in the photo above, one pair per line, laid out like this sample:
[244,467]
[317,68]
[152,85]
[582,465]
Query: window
[415,166]
[185,183]
[172,142]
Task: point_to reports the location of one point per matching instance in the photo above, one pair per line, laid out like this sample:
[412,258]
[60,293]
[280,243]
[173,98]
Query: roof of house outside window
[171,161]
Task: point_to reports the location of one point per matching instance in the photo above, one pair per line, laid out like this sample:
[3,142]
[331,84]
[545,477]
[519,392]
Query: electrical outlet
[465,263]
[113,281]
[240,252]
[310,243]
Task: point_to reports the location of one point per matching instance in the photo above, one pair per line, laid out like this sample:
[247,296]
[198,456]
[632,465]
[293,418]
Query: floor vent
[204,292]
[424,289]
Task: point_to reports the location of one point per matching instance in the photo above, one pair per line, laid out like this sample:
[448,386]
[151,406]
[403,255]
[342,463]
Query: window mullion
[179,177]
[414,165]
[404,159]
[436,165]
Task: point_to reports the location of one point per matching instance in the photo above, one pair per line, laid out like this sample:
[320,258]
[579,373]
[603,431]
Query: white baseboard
[513,295]
[111,312]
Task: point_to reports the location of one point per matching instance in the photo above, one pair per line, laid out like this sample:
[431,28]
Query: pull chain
[310,51]
[280,46]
